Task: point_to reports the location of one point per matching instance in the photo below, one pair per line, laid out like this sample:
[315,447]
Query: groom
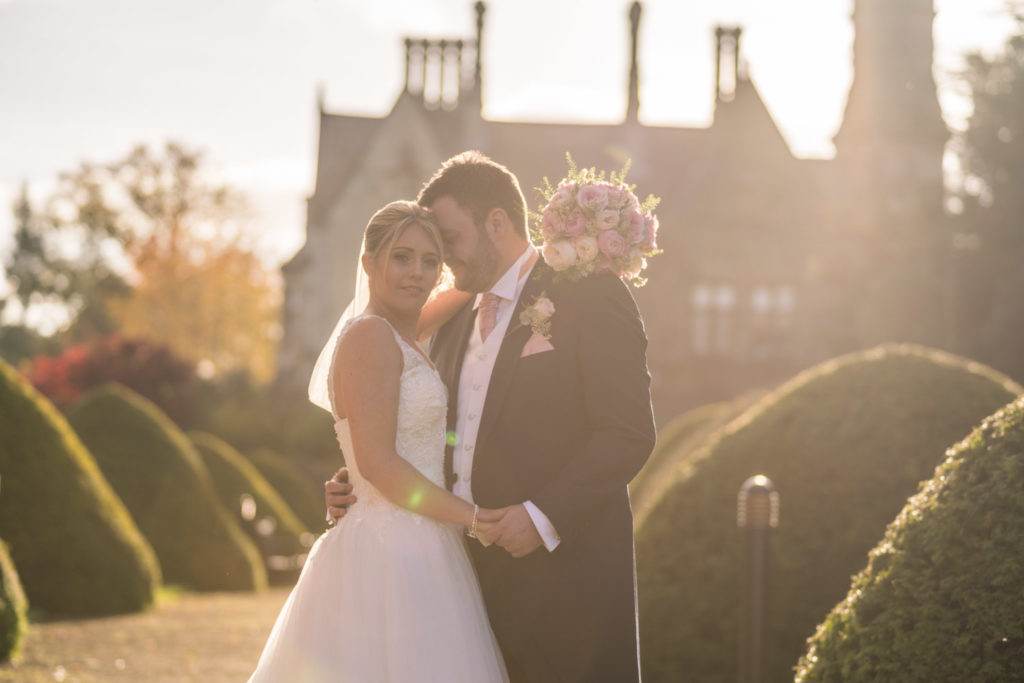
[547,431]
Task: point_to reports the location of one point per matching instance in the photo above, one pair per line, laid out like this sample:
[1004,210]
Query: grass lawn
[205,637]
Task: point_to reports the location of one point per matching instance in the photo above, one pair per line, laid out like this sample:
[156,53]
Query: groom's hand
[512,529]
[338,495]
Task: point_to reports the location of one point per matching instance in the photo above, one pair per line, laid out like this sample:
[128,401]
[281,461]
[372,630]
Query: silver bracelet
[472,529]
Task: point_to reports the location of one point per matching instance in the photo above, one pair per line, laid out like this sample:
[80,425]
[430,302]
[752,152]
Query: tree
[50,266]
[149,245]
[991,231]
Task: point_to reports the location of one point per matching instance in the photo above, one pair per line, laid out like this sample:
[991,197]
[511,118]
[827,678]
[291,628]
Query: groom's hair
[478,184]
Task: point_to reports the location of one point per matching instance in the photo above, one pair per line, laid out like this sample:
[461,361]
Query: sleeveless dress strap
[345,328]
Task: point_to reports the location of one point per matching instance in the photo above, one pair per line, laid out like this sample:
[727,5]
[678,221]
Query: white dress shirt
[477,366]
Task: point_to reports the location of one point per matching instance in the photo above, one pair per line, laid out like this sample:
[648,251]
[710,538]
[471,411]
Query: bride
[389,594]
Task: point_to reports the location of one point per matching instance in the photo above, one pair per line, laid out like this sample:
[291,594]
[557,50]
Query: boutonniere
[538,316]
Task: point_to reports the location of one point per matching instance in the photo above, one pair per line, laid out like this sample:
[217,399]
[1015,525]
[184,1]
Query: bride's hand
[481,529]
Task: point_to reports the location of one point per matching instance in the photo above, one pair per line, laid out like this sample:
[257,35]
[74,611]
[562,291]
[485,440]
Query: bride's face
[402,279]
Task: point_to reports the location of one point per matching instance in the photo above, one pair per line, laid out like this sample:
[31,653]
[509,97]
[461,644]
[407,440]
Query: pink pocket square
[536,344]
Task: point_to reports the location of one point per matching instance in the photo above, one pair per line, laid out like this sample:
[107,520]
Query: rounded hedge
[12,607]
[304,496]
[845,443]
[163,482]
[256,506]
[77,548]
[942,596]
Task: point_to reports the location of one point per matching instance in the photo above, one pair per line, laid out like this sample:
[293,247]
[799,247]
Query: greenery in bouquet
[593,223]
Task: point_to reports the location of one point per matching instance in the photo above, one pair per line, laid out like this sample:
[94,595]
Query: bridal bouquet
[590,224]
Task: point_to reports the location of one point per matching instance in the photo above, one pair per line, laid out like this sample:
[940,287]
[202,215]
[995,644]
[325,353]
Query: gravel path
[209,637]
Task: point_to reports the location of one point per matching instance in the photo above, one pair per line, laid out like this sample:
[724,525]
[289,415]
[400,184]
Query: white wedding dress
[388,595]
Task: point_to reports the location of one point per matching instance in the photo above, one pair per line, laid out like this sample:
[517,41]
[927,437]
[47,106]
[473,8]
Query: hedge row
[74,543]
[845,443]
[12,607]
[156,471]
[255,506]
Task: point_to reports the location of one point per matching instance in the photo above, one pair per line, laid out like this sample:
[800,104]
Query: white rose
[586,248]
[545,307]
[559,254]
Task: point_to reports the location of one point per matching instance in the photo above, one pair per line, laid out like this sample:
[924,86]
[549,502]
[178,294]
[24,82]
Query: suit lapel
[448,350]
[511,348]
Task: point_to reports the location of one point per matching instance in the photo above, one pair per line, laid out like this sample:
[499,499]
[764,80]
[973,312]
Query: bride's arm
[366,387]
[439,309]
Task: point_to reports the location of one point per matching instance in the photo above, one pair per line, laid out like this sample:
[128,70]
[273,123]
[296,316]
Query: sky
[86,80]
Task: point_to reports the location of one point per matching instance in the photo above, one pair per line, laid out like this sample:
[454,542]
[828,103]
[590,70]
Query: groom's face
[469,250]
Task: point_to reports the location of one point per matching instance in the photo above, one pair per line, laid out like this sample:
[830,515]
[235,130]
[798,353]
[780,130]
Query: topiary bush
[303,495]
[165,485]
[942,597]
[845,444]
[257,507]
[78,551]
[12,607]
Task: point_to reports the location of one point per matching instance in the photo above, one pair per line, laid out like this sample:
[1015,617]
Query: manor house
[771,263]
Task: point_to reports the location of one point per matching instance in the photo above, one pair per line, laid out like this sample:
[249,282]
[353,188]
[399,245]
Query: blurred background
[183,190]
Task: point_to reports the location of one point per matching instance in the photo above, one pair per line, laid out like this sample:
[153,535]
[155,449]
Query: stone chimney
[436,68]
[727,46]
[633,107]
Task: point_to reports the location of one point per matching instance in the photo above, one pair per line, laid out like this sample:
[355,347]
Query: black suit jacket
[567,429]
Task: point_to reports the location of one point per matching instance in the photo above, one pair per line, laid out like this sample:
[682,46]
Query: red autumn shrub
[146,367]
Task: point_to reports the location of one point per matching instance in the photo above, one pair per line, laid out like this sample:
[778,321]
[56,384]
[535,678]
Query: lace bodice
[420,434]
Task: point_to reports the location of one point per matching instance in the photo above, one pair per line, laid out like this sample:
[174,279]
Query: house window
[713,319]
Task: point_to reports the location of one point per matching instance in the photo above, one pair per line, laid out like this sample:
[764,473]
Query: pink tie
[488,314]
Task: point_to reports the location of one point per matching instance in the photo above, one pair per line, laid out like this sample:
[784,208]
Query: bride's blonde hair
[391,221]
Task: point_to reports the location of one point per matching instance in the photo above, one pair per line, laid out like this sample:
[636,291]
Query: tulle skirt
[386,596]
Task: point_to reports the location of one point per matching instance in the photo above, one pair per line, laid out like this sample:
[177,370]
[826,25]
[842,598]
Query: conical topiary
[304,497]
[76,547]
[942,597]
[845,443]
[156,471]
[12,607]
[257,507]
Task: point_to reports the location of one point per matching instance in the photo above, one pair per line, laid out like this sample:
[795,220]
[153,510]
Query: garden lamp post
[757,513]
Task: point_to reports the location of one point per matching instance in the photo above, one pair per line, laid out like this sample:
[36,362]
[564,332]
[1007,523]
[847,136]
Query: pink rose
[551,225]
[562,200]
[650,232]
[617,197]
[593,197]
[611,243]
[606,219]
[559,254]
[576,224]
[637,227]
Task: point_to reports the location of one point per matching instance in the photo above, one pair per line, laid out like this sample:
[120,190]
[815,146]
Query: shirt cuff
[545,528]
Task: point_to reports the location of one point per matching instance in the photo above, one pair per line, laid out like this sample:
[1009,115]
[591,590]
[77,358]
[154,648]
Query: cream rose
[544,307]
[586,248]
[559,254]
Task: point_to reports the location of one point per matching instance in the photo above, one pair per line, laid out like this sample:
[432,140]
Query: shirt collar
[507,286]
